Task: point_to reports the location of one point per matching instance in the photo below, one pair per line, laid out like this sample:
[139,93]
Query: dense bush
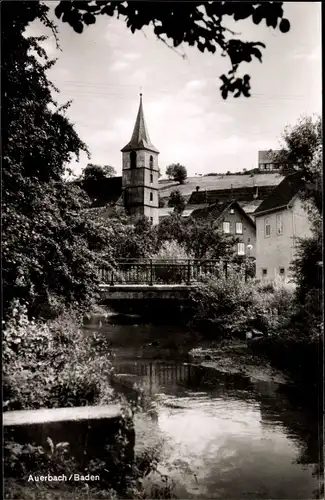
[129,238]
[55,459]
[177,172]
[307,267]
[228,306]
[52,364]
[170,251]
[297,352]
[200,238]
[50,249]
[293,332]
[177,200]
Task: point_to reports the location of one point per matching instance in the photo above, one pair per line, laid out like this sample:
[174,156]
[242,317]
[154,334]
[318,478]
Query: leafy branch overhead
[198,24]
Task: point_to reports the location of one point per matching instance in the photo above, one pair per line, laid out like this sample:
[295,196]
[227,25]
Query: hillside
[217,182]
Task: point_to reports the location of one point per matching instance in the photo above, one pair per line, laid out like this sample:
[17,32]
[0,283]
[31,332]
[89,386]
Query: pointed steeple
[140,138]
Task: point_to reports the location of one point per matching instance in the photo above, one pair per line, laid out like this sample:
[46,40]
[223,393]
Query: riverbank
[238,358]
[273,358]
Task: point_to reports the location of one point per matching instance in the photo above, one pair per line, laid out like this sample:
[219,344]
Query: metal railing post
[151,273]
[112,278]
[188,272]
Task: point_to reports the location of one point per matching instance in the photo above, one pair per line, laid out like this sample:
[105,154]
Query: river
[217,435]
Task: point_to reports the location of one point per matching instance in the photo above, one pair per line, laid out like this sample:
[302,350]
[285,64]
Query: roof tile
[140,138]
[282,194]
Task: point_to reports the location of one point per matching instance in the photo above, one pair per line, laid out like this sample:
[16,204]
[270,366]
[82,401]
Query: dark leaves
[257,53]
[243,11]
[46,240]
[284,26]
[89,18]
[183,22]
[108,9]
[257,15]
[59,10]
[78,27]
[235,86]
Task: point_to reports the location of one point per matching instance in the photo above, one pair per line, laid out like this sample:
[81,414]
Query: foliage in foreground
[48,260]
[229,306]
[307,266]
[292,331]
[53,364]
[22,460]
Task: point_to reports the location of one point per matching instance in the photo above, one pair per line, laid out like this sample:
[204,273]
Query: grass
[218,182]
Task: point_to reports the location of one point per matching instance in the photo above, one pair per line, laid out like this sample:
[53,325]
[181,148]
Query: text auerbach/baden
[62,478]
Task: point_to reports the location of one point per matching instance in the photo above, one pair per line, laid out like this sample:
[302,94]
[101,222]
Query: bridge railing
[154,271]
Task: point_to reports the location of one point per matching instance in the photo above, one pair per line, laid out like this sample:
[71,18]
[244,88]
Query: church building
[136,191]
[140,172]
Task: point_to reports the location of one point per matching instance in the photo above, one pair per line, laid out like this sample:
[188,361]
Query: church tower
[140,172]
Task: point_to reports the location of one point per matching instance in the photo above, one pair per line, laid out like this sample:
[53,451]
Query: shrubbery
[172,250]
[22,460]
[228,306]
[52,364]
[293,332]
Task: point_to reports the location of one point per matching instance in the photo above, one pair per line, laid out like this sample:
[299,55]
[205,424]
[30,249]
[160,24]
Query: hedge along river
[216,435]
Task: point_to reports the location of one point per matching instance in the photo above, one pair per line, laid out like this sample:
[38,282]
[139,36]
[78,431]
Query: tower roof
[140,138]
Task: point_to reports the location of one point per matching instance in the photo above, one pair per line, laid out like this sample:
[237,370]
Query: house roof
[165,212]
[244,193]
[249,207]
[267,156]
[140,138]
[216,210]
[282,194]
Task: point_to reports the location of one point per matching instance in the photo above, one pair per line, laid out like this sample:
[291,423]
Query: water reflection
[223,436]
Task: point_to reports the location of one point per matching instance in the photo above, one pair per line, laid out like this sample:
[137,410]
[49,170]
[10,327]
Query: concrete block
[91,431]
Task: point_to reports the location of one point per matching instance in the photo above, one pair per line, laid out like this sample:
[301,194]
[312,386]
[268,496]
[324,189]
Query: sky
[104,69]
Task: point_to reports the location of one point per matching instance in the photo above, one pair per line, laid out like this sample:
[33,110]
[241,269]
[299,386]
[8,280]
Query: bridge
[159,279]
[162,271]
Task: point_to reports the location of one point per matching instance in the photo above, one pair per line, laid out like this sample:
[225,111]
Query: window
[151,220]
[239,228]
[264,272]
[151,178]
[226,227]
[248,240]
[151,196]
[267,228]
[133,159]
[241,249]
[231,211]
[279,224]
[281,270]
[151,161]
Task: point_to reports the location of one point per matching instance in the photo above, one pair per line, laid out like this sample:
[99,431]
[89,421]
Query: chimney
[197,188]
